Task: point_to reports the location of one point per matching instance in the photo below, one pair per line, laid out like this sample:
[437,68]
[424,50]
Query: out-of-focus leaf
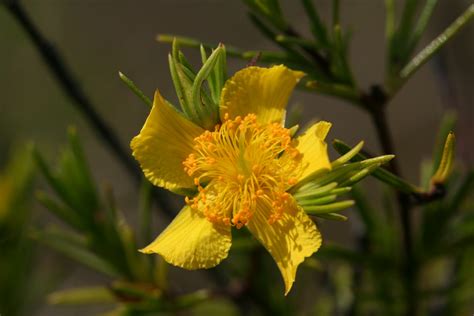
[333,217]
[421,24]
[215,307]
[191,42]
[270,10]
[80,296]
[429,51]
[63,212]
[462,192]
[366,212]
[189,300]
[75,248]
[317,27]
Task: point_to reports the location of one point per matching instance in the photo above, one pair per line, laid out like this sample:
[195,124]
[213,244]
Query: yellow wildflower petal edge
[164,142]
[192,242]
[289,240]
[261,91]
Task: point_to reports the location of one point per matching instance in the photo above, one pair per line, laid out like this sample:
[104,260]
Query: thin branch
[376,103]
[67,81]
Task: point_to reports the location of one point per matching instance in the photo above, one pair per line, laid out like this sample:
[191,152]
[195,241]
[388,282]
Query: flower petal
[262,91]
[163,144]
[289,240]
[192,242]
[313,148]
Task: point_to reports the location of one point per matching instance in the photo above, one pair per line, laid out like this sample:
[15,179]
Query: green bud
[447,160]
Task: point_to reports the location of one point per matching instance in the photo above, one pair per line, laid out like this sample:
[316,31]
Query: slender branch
[66,79]
[427,53]
[376,103]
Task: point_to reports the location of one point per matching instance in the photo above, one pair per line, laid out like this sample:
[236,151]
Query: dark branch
[67,81]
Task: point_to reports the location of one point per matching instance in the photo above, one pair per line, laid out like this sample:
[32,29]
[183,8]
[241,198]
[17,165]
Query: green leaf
[336,89]
[83,295]
[366,212]
[328,208]
[208,114]
[389,21]
[75,248]
[380,173]
[336,13]
[462,192]
[139,93]
[337,252]
[191,42]
[319,201]
[317,27]
[315,193]
[48,174]
[182,83]
[432,48]
[348,155]
[64,213]
[332,217]
[294,54]
[421,25]
[292,40]
[405,29]
[270,10]
[144,215]
[339,63]
[189,300]
[360,175]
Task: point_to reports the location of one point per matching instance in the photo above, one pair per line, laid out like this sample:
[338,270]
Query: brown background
[99,38]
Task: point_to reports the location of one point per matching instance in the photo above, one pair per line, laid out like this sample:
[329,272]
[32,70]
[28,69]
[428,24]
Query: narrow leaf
[428,52]
[347,156]
[131,85]
[381,174]
[80,296]
[333,217]
[329,208]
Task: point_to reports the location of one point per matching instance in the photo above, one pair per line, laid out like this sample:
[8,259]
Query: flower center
[241,167]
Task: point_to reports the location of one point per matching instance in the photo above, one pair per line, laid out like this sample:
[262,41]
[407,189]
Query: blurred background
[99,38]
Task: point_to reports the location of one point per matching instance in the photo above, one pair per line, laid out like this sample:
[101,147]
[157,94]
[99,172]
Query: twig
[65,78]
[376,102]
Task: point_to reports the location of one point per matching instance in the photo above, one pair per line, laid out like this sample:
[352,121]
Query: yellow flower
[242,171]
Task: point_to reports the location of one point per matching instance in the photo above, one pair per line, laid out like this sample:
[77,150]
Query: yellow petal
[289,240]
[192,242]
[313,148]
[163,144]
[262,91]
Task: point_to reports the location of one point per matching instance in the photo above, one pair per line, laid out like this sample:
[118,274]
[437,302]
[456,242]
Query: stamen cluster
[241,167]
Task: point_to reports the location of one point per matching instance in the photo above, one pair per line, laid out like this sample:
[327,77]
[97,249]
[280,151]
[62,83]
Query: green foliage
[19,287]
[102,240]
[318,194]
